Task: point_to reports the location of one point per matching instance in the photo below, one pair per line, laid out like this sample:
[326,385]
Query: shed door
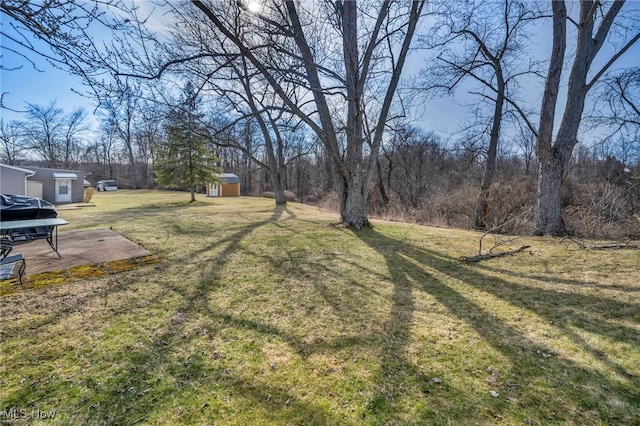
[63,190]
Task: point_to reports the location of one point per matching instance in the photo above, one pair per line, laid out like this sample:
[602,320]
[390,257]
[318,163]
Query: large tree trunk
[276,167]
[548,215]
[554,159]
[354,167]
[482,204]
[549,205]
[354,206]
[353,194]
[275,164]
[278,188]
[383,191]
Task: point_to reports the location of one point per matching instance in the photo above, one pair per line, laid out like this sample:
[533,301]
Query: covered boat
[20,207]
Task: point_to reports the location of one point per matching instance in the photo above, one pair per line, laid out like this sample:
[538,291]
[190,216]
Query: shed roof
[229,178]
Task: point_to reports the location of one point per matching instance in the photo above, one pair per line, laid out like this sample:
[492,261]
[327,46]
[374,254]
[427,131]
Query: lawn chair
[8,264]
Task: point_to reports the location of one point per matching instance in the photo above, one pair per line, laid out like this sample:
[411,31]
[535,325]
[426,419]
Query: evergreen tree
[186,159]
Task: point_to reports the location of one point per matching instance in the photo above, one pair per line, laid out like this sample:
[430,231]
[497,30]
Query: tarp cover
[20,207]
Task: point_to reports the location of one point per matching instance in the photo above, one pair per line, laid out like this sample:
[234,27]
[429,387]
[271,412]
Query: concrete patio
[85,247]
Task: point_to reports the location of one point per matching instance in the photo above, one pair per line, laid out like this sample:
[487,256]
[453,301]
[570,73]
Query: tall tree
[593,25]
[73,132]
[105,147]
[56,138]
[122,106]
[186,159]
[348,59]
[10,146]
[41,131]
[253,100]
[482,44]
[147,137]
[415,165]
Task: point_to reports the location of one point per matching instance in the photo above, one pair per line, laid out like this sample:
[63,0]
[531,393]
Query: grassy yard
[263,315]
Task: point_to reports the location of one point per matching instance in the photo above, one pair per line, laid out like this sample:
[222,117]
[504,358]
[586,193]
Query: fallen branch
[614,247]
[481,257]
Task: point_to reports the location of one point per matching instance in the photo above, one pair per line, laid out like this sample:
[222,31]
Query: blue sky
[38,86]
[45,84]
[42,84]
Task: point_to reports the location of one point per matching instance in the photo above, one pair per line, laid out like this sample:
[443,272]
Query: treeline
[419,176]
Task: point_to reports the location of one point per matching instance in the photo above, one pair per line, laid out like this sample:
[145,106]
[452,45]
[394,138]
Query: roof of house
[60,171]
[229,178]
[20,169]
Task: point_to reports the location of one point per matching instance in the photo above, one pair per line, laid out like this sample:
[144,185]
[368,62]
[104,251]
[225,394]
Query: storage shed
[60,185]
[229,186]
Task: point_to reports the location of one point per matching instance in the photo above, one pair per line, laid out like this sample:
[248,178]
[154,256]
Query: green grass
[259,314]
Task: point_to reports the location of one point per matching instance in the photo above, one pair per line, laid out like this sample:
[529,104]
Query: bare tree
[122,109]
[526,142]
[617,108]
[147,137]
[417,162]
[41,132]
[105,148]
[64,33]
[483,44]
[56,138]
[254,100]
[348,61]
[73,137]
[10,143]
[593,25]
[238,146]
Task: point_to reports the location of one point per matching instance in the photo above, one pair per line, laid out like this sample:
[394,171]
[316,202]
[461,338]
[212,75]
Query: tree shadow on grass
[414,269]
[558,280]
[151,369]
[157,366]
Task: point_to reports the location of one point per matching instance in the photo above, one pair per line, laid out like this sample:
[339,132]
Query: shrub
[512,205]
[450,208]
[88,194]
[603,210]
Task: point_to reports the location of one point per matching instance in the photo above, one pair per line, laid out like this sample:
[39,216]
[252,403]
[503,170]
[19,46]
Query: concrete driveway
[78,248]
